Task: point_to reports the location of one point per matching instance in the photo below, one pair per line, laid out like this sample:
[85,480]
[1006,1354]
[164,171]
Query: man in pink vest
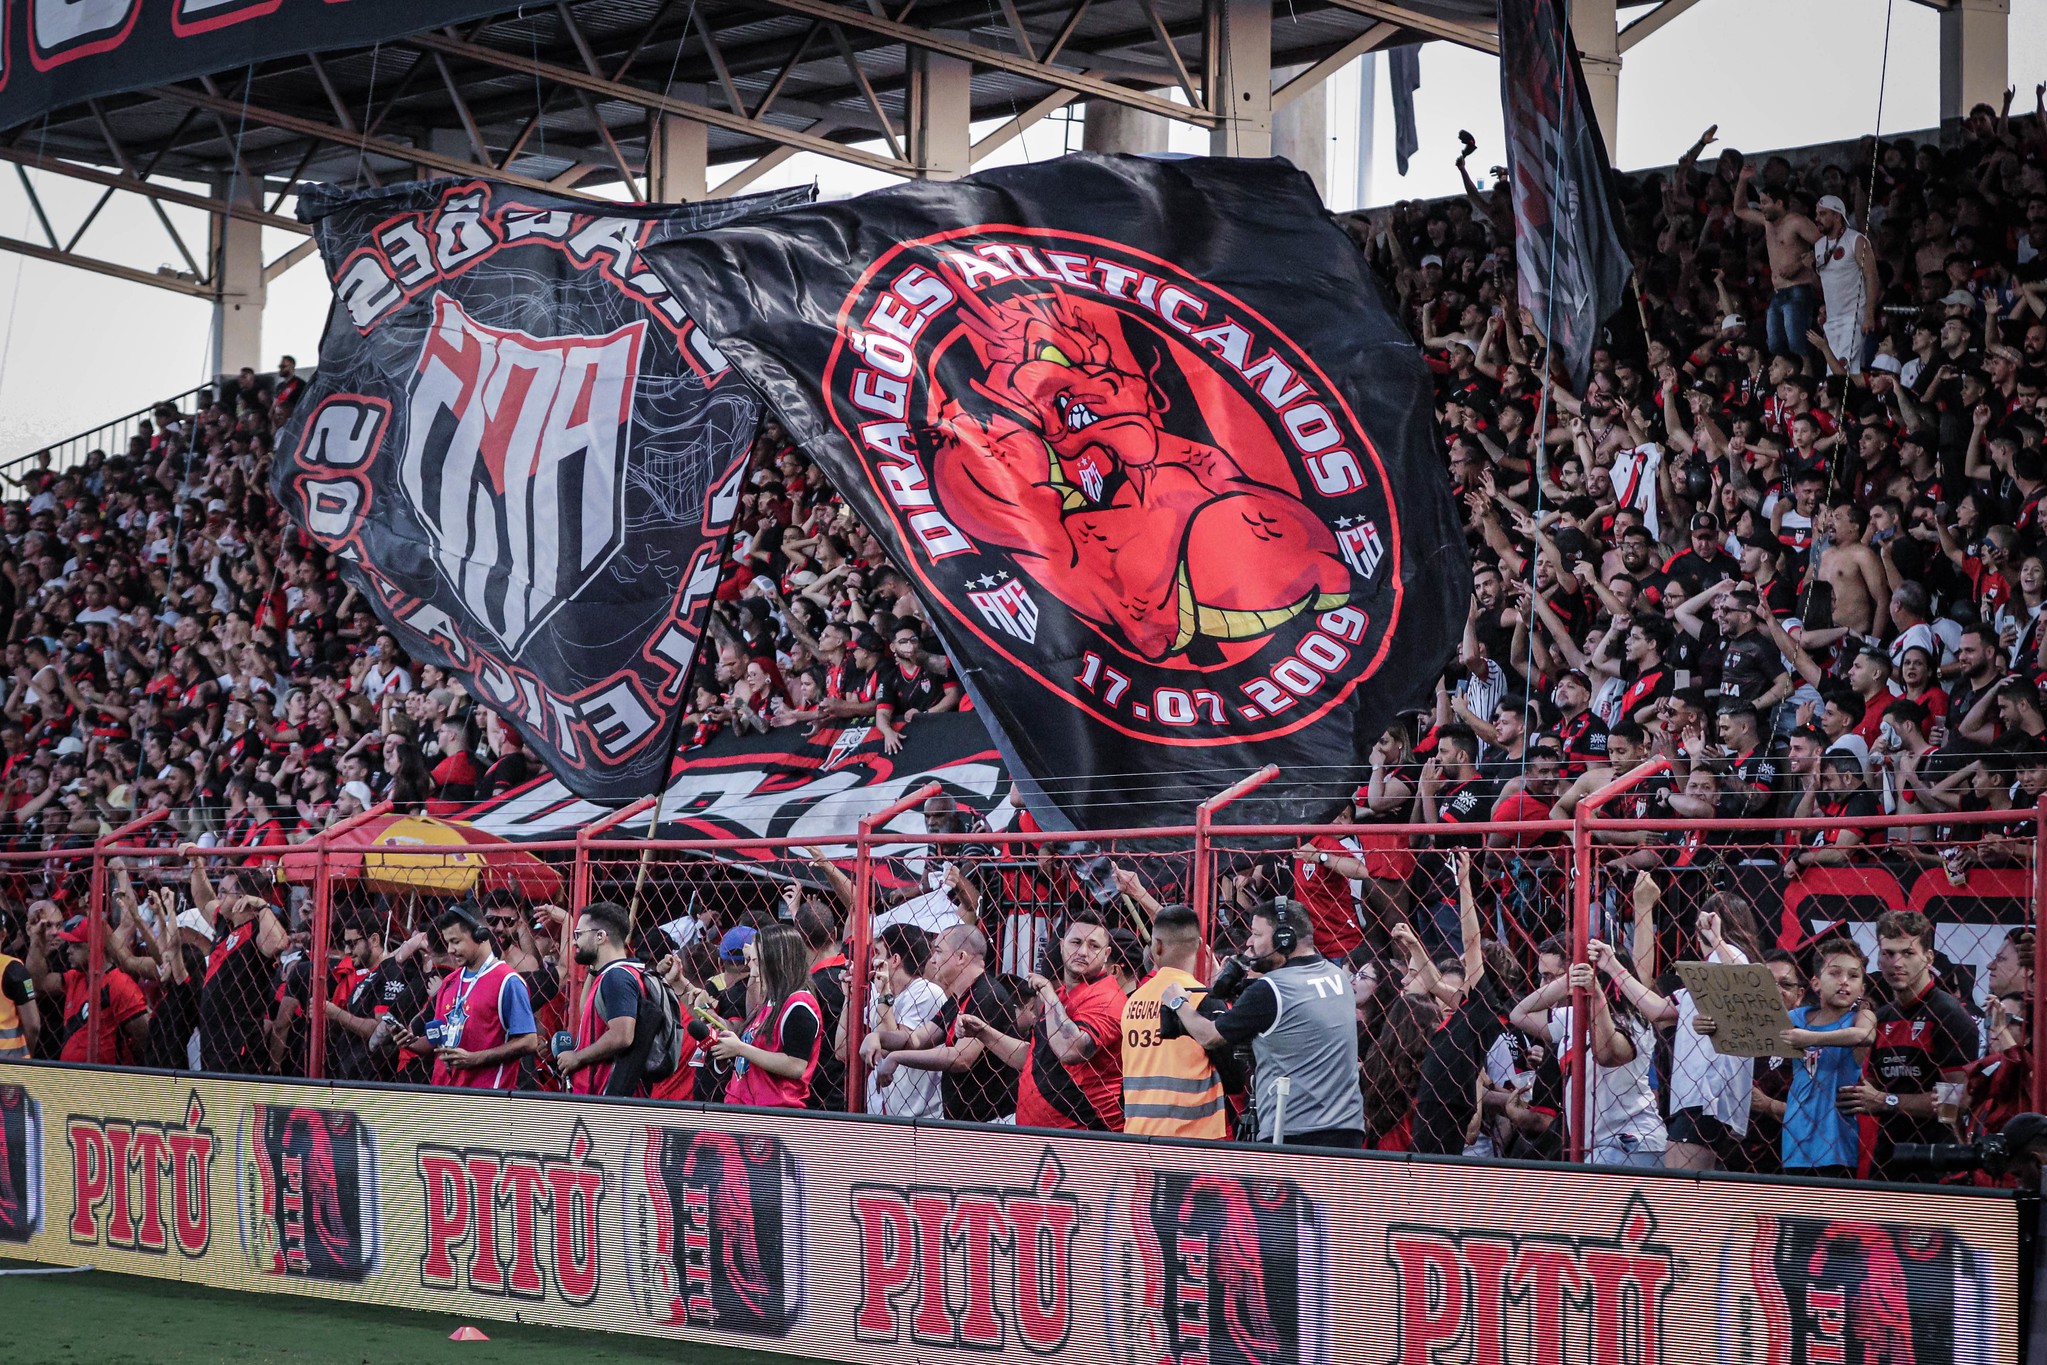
[483,1017]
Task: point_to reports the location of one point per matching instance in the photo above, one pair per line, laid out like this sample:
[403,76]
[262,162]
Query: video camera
[1228,985]
[1995,1154]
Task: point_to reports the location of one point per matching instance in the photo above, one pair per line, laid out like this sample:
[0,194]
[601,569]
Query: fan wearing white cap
[1849,289]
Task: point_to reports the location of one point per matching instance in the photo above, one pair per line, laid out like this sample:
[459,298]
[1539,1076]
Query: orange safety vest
[13,1042]
[1170,1088]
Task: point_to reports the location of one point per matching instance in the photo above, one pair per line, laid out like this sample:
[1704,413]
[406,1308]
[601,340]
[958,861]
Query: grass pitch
[97,1318]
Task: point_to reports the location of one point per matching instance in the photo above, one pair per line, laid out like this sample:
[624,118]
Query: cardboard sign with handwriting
[1743,1003]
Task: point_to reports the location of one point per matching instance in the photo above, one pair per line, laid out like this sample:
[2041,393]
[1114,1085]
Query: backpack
[661,1014]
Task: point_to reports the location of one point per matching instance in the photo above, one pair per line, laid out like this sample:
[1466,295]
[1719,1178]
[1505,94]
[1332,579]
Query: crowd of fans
[1788,537]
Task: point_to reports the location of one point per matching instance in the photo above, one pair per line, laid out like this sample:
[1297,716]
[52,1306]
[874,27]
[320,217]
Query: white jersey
[1841,285]
[1841,288]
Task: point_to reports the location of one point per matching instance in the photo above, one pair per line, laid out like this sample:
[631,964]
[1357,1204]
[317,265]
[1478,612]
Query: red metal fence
[1624,887]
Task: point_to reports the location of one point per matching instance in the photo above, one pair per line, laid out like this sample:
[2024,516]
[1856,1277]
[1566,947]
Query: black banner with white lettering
[1154,453]
[1567,248]
[524,454]
[69,51]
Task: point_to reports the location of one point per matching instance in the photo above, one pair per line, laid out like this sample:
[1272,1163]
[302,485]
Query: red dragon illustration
[1239,1266]
[307,1131]
[732,1220]
[1156,539]
[1864,1260]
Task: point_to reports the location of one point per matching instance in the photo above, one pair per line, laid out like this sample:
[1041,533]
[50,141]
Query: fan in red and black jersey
[1923,1035]
[458,774]
[1581,731]
[1749,666]
[1839,794]
[1638,562]
[1706,562]
[909,685]
[853,685]
[241,973]
[1749,771]
[1648,678]
[1452,792]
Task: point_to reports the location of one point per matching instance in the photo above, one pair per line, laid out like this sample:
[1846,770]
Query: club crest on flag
[1358,541]
[519,448]
[1008,608]
[515,462]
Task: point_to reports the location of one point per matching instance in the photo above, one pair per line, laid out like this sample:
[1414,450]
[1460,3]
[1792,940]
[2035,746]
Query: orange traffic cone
[467,1334]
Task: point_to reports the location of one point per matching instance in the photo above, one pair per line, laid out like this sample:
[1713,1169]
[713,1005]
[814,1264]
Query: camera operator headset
[1300,1019]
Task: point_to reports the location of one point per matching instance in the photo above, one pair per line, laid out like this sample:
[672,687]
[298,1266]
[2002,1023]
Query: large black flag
[1567,249]
[524,454]
[1151,448]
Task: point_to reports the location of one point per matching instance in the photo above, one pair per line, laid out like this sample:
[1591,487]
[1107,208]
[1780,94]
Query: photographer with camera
[482,1020]
[608,1055]
[1300,1019]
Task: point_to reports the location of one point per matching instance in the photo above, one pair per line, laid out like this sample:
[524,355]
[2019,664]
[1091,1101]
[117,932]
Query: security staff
[1300,1019]
[20,1017]
[1170,1088]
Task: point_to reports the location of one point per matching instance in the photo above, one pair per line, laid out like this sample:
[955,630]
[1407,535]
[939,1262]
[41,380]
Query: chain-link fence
[1802,995]
[1629,986]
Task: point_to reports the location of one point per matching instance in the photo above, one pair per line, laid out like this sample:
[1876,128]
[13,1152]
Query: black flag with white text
[1155,456]
[524,454]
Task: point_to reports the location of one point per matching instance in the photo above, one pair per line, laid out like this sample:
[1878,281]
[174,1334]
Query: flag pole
[654,823]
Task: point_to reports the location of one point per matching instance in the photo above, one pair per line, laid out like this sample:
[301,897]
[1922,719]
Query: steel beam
[1015,127]
[272,269]
[925,40]
[1310,80]
[397,151]
[654,102]
[1655,19]
[99,267]
[1464,35]
[93,175]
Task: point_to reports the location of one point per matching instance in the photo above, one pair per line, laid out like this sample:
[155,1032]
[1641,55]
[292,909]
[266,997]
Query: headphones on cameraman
[1285,937]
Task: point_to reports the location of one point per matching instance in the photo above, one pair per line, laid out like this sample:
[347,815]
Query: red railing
[1993,859]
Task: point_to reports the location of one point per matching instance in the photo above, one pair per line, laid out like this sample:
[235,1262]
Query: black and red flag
[1568,256]
[1153,452]
[524,454]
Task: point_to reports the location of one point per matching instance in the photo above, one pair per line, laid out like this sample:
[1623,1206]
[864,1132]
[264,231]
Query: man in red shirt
[1324,869]
[1073,1064]
[120,1015]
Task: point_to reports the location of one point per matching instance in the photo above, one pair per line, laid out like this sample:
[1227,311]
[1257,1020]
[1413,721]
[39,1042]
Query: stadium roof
[567,93]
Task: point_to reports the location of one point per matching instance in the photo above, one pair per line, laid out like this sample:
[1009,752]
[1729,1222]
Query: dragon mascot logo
[1121,479]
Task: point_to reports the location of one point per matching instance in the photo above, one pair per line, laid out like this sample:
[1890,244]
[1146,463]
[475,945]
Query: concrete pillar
[941,109]
[237,252]
[678,152]
[1594,25]
[1975,55]
[1300,131]
[1240,77]
[1111,127]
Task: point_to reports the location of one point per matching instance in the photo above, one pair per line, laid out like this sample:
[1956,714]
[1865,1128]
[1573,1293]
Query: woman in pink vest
[773,1058]
[483,1017]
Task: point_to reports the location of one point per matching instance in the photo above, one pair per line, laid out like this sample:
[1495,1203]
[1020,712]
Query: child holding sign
[1834,1030]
